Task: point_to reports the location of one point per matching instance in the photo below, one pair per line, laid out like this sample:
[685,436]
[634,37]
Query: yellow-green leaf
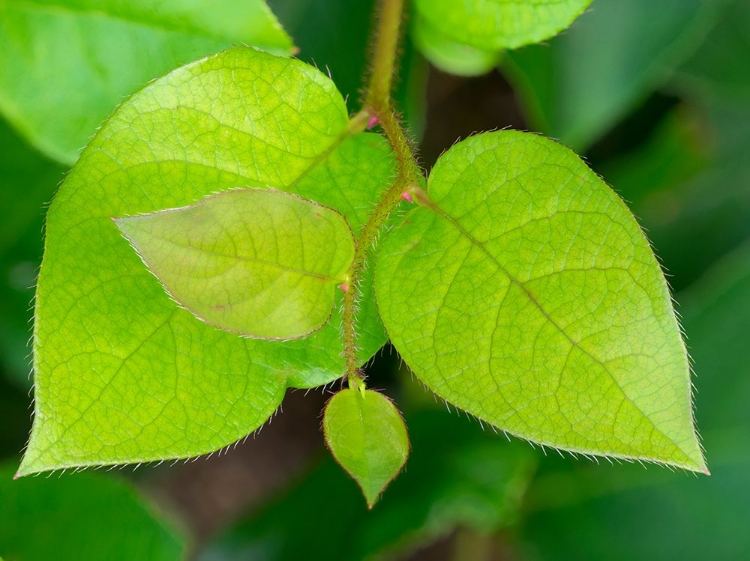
[523,291]
[367,436]
[122,373]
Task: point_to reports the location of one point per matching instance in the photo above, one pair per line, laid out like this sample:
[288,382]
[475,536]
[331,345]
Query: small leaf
[258,262]
[67,63]
[459,477]
[524,292]
[367,436]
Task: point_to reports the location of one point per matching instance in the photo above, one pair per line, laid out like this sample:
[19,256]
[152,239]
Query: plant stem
[387,37]
[408,175]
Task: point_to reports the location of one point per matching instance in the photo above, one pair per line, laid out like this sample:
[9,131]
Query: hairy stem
[378,104]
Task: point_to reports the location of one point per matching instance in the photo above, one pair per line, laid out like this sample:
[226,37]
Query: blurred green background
[656,97]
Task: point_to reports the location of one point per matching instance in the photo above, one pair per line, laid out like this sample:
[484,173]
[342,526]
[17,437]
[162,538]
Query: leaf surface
[451,55]
[367,436]
[258,262]
[524,292]
[87,517]
[500,24]
[631,502]
[122,374]
[28,182]
[68,63]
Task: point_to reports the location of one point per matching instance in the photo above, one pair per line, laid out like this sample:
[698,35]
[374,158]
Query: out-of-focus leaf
[68,63]
[86,517]
[450,55]
[467,38]
[626,513]
[675,153]
[457,475]
[522,290]
[499,24]
[720,66]
[27,181]
[579,85]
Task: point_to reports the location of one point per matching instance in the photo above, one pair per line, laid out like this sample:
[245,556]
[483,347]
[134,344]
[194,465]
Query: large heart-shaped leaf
[122,373]
[523,291]
[67,63]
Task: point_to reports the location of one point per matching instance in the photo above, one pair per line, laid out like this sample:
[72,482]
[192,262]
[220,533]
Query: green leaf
[458,477]
[450,55]
[68,63]
[524,292]
[604,511]
[579,86]
[122,374]
[86,517]
[258,262]
[500,24]
[367,436]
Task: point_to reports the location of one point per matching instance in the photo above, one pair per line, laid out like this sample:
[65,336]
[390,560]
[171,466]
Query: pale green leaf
[85,517]
[492,25]
[67,63]
[367,436]
[524,292]
[258,262]
[122,374]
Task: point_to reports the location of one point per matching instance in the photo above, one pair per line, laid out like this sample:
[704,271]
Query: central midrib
[441,213]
